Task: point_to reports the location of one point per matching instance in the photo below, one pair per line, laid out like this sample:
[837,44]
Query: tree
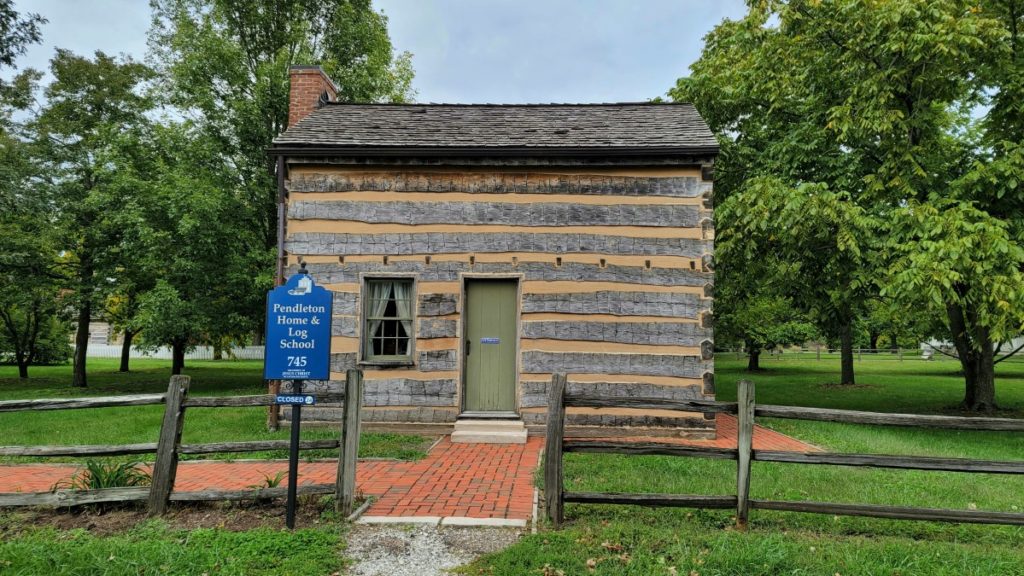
[88,104]
[777,161]
[17,33]
[872,103]
[225,63]
[30,330]
[189,243]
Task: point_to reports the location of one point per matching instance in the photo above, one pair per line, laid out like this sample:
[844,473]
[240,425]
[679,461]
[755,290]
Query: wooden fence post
[346,482]
[273,411]
[165,468]
[744,444]
[553,450]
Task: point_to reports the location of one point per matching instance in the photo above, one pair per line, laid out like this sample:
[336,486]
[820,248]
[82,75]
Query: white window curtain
[378,294]
[403,301]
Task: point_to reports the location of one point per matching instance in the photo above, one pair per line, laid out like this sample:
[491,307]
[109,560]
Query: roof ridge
[512,105]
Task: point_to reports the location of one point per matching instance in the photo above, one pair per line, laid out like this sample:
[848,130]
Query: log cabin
[474,250]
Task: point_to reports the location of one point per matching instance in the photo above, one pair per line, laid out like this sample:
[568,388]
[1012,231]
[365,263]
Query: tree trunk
[873,341]
[22,368]
[895,344]
[976,350]
[218,351]
[78,378]
[754,357]
[846,353]
[126,350]
[177,357]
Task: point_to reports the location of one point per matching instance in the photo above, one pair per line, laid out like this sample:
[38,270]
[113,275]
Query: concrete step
[489,432]
[512,425]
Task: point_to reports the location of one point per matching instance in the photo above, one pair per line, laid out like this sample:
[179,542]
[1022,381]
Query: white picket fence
[199,353]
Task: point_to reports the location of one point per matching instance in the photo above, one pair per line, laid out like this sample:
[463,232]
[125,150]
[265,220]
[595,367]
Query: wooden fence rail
[168,448]
[746,410]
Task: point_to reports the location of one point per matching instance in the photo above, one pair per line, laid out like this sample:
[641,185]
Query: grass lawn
[153,547]
[629,540]
[142,423]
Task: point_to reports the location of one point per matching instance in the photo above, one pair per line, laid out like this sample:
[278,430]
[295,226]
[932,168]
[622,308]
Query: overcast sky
[472,50]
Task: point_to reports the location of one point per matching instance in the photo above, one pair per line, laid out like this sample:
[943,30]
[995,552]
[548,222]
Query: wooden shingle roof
[640,127]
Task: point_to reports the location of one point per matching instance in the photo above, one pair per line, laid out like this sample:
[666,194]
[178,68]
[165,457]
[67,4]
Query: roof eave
[312,150]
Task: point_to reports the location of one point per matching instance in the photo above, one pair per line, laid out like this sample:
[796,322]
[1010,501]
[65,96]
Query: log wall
[614,267]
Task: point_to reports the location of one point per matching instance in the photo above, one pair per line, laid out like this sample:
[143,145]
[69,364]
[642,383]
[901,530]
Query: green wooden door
[489,345]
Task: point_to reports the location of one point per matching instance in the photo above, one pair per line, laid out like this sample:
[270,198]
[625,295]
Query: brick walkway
[466,480]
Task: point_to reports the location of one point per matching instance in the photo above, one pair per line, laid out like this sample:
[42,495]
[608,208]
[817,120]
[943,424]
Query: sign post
[298,348]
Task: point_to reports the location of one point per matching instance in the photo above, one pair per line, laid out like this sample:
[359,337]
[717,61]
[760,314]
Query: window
[387,321]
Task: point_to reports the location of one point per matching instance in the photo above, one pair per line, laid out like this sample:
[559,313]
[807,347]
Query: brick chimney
[308,85]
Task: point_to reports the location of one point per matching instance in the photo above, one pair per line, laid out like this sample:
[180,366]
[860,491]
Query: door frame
[464,279]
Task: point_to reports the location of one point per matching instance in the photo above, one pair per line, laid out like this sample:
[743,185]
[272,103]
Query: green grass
[142,423]
[789,543]
[152,548]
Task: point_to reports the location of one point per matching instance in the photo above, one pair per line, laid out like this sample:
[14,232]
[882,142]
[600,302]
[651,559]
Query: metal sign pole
[293,456]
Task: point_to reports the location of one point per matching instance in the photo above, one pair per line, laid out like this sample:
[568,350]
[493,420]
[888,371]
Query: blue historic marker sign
[298,345]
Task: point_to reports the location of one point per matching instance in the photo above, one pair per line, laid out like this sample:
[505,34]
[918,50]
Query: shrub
[98,474]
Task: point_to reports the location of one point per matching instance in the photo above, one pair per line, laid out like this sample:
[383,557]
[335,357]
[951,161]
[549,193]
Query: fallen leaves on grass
[548,570]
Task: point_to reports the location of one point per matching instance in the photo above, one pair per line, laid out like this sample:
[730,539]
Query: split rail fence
[168,448]
[746,410]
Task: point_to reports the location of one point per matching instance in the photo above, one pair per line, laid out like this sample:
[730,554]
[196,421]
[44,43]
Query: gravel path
[409,550]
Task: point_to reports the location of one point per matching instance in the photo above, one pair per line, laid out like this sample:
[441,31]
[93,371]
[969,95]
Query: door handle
[467,347]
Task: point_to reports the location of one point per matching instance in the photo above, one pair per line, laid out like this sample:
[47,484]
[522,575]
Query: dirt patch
[837,386]
[223,515]
[410,550]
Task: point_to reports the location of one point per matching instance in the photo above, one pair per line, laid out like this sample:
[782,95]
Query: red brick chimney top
[309,85]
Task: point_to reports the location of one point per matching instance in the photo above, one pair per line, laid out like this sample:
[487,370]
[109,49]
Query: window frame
[365,359]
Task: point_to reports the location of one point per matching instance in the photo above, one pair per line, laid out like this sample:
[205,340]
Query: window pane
[383,324]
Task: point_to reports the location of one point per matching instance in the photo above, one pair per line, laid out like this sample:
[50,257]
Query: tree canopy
[875,149]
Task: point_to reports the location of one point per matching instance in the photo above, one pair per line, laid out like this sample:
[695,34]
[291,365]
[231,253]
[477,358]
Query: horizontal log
[409,392]
[342,361]
[659,500]
[255,446]
[250,494]
[894,512]
[418,414]
[507,183]
[73,497]
[436,328]
[437,304]
[448,271]
[900,462]
[533,393]
[882,418]
[345,303]
[437,361]
[79,450]
[389,391]
[647,449]
[616,303]
[648,333]
[337,244]
[635,424]
[256,400]
[75,403]
[344,326]
[514,214]
[706,406]
[599,363]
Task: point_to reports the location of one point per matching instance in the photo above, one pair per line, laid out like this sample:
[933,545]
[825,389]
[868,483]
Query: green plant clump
[99,474]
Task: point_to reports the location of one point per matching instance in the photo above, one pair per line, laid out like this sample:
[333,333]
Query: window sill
[385,363]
